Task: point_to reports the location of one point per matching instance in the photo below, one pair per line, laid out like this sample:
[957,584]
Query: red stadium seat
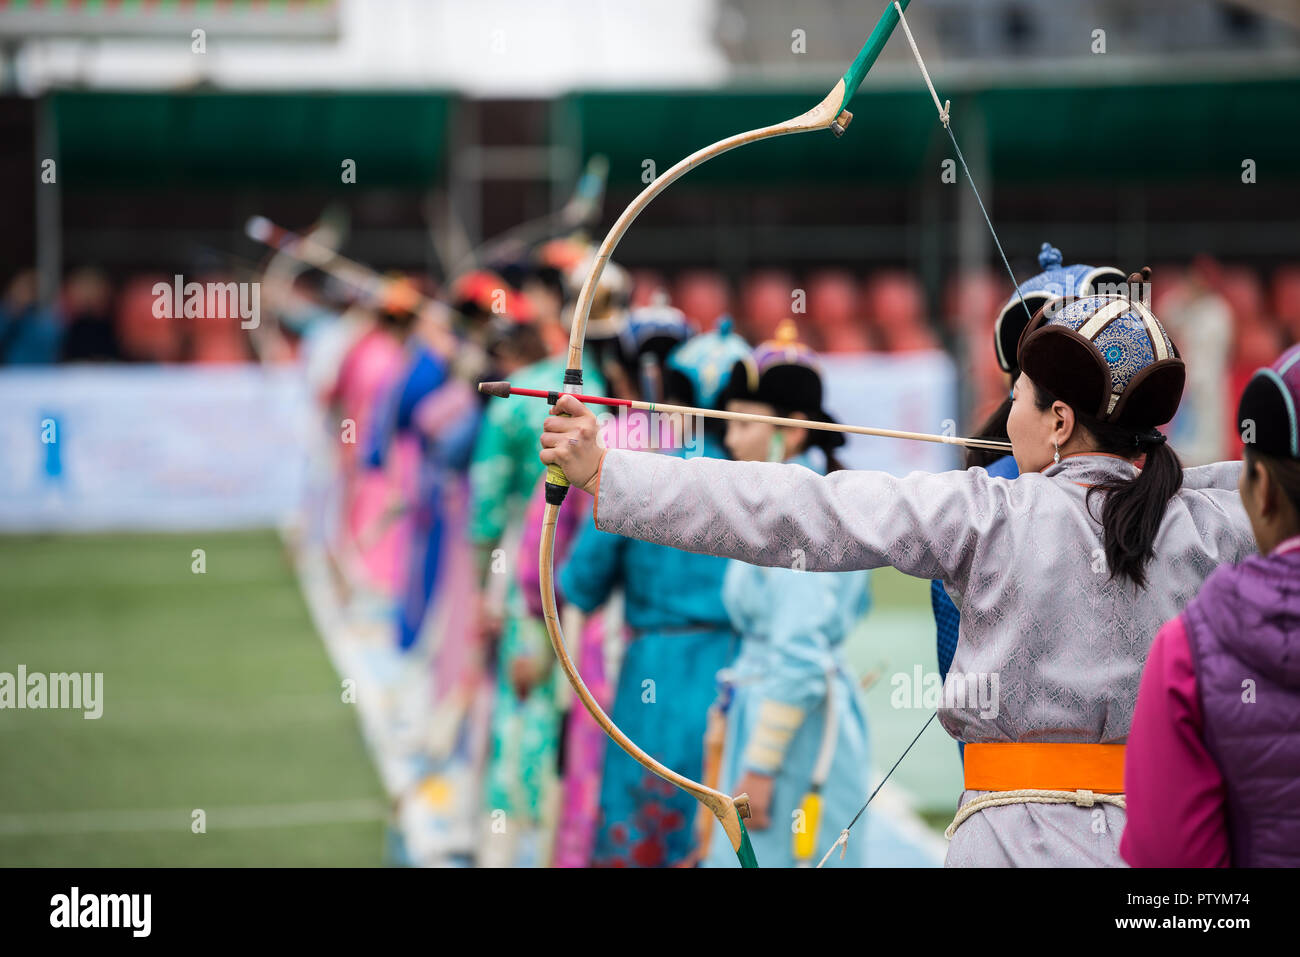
[1241,286]
[1286,299]
[1256,343]
[832,298]
[894,299]
[896,303]
[144,336]
[1167,283]
[646,283]
[836,313]
[850,338]
[766,297]
[973,299]
[217,340]
[704,296]
[910,339]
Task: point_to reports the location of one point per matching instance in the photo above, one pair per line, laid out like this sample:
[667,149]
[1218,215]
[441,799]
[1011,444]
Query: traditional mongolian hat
[482,294]
[1054,282]
[652,333]
[609,302]
[398,300]
[657,329]
[700,368]
[607,339]
[1269,411]
[785,374]
[1108,357]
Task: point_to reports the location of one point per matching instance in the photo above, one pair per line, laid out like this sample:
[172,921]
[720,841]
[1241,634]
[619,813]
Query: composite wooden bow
[830,114]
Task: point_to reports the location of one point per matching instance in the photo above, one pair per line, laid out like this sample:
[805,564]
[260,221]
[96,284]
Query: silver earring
[1056,459]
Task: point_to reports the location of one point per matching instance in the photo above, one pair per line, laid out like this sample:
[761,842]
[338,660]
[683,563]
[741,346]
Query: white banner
[186,447]
[151,447]
[913,392]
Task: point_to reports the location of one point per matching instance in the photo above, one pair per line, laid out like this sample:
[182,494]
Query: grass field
[895,637]
[217,695]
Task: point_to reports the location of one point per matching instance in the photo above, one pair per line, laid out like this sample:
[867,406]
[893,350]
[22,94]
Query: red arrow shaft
[554,397]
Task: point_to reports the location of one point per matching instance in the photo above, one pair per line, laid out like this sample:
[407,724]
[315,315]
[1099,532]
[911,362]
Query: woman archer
[1053,282]
[1062,575]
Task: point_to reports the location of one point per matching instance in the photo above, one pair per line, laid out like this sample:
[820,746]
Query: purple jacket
[1244,632]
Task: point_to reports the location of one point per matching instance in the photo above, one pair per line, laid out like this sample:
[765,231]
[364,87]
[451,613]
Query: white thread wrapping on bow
[841,842]
[943,110]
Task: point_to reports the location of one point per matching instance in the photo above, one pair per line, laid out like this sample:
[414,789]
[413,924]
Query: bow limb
[729,811]
[830,113]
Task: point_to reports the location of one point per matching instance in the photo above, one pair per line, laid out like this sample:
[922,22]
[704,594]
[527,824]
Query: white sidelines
[248,817]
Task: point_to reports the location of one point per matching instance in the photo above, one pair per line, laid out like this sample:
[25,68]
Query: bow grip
[557,483]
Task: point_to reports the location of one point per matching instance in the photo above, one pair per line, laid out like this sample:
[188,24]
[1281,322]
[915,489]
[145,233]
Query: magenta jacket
[1187,775]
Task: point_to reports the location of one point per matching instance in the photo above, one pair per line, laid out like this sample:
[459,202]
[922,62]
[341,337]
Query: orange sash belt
[1016,766]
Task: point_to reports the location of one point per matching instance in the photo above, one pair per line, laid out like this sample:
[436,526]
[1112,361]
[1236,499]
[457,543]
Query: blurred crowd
[437,528]
[1233,311]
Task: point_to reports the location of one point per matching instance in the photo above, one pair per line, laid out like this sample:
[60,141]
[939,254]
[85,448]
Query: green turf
[217,695]
[897,635]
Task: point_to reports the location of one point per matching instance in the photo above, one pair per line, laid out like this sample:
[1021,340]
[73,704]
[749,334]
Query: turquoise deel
[682,637]
[794,625]
[506,466]
[504,471]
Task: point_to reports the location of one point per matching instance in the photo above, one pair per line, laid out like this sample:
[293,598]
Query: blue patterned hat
[1108,357]
[703,363]
[1054,282]
[657,327]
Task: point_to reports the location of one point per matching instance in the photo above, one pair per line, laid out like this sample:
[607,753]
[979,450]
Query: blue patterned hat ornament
[700,368]
[658,328]
[784,374]
[653,332]
[1106,356]
[1054,282]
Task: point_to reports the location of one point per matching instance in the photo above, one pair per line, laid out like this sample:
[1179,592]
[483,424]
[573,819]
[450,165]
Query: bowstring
[844,834]
[946,119]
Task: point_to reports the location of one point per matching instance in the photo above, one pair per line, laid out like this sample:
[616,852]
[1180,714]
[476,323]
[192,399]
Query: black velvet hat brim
[788,389]
[1264,406]
[1069,366]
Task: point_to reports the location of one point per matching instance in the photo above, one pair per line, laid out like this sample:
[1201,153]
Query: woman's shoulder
[1223,476]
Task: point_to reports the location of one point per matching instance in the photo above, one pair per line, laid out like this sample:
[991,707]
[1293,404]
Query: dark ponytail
[994,427]
[1133,508]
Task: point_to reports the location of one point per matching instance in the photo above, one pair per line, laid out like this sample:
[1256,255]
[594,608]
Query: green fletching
[867,56]
[746,852]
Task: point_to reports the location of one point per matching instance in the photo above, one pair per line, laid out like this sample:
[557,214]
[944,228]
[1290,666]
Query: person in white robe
[1062,575]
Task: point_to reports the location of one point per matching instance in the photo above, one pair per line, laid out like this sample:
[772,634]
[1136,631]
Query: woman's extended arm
[782,515]
[1218,475]
[788,516]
